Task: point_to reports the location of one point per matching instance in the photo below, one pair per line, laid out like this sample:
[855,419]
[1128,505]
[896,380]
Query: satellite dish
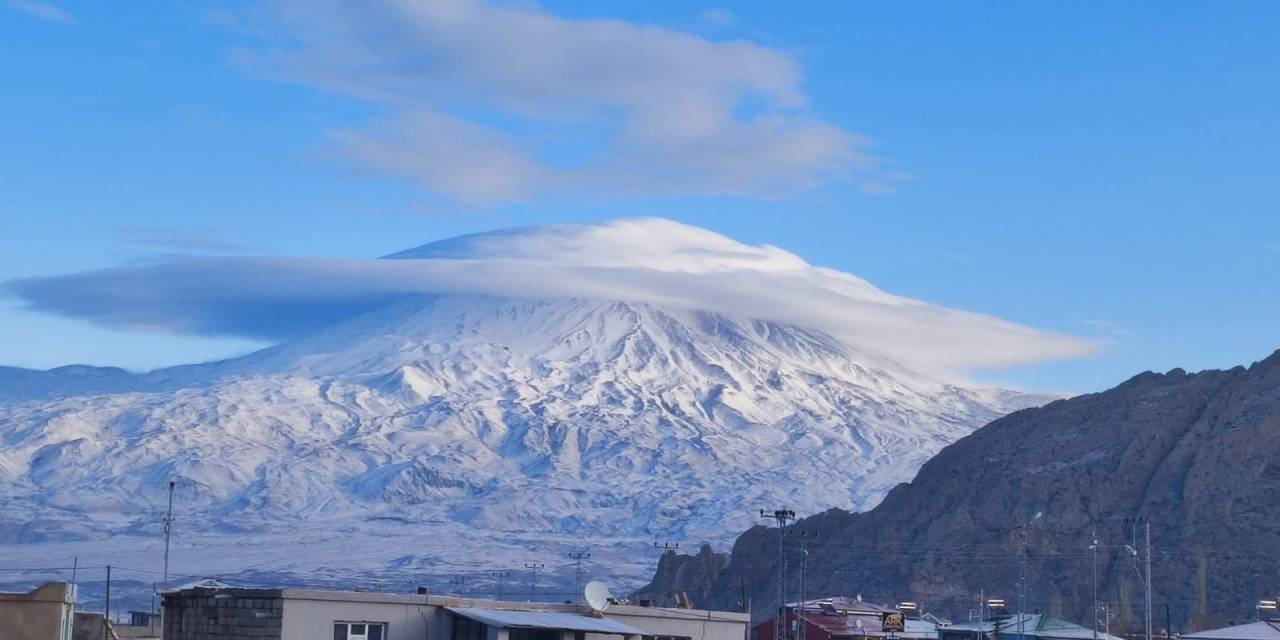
[597,595]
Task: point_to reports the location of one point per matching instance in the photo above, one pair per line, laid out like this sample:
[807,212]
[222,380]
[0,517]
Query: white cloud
[648,260]
[43,10]
[449,156]
[654,111]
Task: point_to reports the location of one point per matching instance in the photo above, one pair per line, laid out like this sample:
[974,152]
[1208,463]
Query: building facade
[216,613]
[45,613]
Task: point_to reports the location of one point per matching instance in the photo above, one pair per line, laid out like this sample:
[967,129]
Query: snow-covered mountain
[459,432]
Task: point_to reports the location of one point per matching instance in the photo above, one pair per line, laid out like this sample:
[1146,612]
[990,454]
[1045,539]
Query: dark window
[467,629]
[533,634]
[359,630]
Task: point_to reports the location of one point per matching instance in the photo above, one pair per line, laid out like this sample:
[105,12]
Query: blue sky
[1097,170]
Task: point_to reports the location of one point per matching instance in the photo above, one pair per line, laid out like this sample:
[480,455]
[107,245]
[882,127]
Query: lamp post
[1266,605]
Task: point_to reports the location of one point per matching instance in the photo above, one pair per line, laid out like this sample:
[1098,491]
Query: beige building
[43,614]
[297,614]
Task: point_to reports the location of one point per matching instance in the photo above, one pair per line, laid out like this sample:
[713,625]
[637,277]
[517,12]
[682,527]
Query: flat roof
[545,620]
[1262,630]
[450,602]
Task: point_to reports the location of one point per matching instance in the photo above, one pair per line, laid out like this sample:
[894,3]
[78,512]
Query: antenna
[598,596]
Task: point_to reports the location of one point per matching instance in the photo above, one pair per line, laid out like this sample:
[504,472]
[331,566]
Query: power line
[501,576]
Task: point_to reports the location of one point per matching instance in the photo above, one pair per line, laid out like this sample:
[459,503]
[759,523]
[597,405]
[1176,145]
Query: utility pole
[533,578]
[781,516]
[801,621]
[1093,547]
[1145,578]
[667,587]
[152,618]
[1022,585]
[1148,527]
[461,583]
[168,532]
[106,610]
[500,575]
[577,569]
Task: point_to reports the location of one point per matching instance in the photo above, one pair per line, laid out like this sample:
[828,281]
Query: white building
[299,614]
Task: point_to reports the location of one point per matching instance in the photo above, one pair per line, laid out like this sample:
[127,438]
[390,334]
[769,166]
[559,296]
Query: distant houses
[842,618]
[1033,626]
[1259,630]
[209,610]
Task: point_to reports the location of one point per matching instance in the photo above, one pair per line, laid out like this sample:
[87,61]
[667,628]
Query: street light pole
[1148,523]
[1094,549]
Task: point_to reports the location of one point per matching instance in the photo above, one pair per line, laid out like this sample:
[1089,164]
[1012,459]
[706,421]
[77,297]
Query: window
[517,633]
[359,631]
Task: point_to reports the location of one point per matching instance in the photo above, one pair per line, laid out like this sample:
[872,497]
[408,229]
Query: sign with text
[893,622]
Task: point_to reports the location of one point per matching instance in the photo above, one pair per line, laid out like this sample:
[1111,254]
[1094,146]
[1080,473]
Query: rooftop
[1261,630]
[507,618]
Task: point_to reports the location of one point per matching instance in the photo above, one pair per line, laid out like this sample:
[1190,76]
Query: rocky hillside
[1196,454]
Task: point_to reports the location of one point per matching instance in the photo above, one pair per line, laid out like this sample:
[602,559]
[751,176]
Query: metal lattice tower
[781,516]
[577,569]
[533,578]
[667,585]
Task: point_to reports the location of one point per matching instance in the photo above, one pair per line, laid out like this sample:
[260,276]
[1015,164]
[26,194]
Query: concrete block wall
[225,614]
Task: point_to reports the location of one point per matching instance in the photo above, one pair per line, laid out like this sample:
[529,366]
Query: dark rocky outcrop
[1196,454]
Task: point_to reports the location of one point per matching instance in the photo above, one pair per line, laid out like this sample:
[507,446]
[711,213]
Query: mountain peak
[499,419]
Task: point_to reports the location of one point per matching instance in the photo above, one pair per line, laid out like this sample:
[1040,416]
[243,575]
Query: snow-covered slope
[450,433]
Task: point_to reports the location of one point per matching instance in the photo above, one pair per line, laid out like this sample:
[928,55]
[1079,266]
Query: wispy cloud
[490,103]
[43,10]
[1109,327]
[718,17]
[648,260]
[171,239]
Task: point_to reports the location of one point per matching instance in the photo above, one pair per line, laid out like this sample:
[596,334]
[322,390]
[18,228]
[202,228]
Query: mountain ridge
[1192,452]
[558,418]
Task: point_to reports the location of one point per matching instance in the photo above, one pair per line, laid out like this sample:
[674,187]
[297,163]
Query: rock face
[1198,455]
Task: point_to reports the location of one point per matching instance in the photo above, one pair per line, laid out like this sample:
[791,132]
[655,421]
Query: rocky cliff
[1196,455]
